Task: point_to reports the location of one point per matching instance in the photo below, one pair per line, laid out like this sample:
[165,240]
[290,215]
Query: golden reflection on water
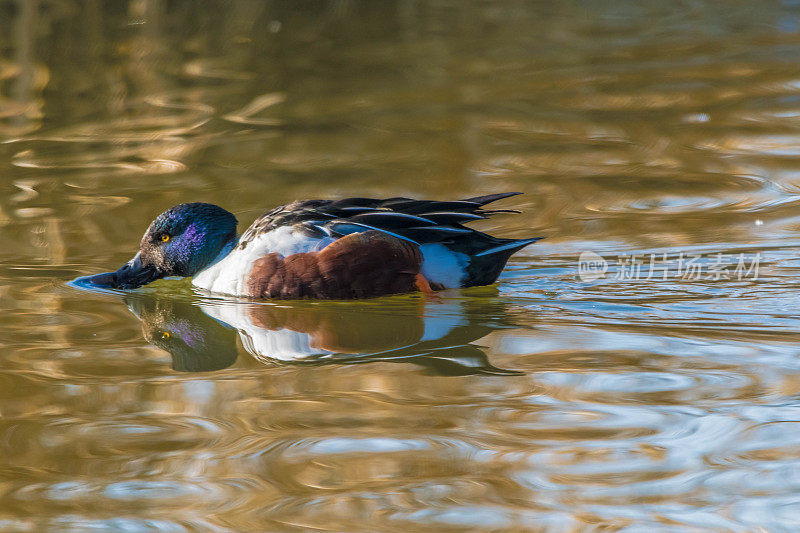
[546,403]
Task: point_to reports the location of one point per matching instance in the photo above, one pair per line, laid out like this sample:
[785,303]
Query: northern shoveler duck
[323,249]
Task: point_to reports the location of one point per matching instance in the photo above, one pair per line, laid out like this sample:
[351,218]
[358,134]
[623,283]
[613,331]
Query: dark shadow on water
[436,335]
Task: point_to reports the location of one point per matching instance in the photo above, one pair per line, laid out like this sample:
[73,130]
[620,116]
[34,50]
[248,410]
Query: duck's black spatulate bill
[133,274]
[96,281]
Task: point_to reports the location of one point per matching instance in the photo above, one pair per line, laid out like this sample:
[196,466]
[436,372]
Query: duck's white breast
[230,274]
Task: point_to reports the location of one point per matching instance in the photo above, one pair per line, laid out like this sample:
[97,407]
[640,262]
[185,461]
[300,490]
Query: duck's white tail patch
[443,266]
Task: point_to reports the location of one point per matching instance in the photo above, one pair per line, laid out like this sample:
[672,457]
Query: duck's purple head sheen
[181,241]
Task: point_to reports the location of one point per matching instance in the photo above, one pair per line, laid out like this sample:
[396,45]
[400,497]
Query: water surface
[545,403]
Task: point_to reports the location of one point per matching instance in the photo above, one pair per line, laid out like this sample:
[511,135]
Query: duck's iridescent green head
[181,241]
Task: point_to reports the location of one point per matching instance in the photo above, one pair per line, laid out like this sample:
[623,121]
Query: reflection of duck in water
[322,249]
[201,337]
[196,342]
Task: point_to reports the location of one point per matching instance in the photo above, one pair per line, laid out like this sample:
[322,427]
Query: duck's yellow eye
[164,238]
[165,335]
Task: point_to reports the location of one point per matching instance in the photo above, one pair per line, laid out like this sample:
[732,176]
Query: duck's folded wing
[420,221]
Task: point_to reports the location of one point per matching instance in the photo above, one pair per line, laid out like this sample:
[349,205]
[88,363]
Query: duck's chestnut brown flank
[360,265]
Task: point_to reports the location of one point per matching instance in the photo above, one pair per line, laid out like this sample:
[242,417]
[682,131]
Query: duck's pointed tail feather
[489,198]
[508,248]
